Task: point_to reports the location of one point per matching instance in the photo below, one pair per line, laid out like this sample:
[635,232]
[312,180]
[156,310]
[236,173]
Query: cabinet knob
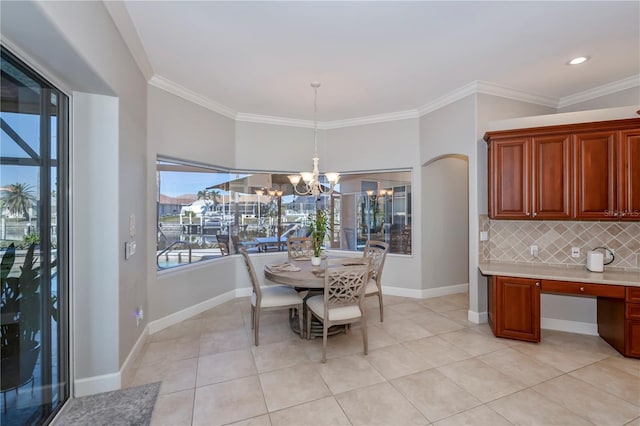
[538,284]
[581,288]
[534,214]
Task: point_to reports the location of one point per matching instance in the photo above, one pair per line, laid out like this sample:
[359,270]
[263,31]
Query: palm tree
[214,194]
[18,198]
[202,195]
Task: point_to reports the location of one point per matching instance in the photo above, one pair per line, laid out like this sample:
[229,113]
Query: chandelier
[310,184]
[374,195]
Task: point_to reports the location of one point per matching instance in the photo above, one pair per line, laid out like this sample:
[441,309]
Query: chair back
[224,249]
[376,251]
[252,274]
[300,248]
[344,282]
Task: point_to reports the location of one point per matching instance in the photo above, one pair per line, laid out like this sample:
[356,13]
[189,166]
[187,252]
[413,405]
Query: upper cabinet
[587,171]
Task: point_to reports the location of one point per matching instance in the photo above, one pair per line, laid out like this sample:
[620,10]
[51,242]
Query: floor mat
[130,406]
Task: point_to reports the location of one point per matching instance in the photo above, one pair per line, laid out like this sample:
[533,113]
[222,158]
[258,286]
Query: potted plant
[319,227]
[21,318]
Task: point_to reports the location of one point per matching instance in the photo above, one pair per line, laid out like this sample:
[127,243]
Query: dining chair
[376,251]
[270,298]
[300,248]
[343,299]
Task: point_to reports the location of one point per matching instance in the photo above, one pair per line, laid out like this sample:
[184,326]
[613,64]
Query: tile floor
[426,365]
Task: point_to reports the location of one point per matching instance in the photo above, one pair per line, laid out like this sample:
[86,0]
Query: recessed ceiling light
[578,60]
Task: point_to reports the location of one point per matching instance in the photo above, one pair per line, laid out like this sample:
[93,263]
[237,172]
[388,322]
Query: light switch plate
[575,251]
[484,236]
[129,249]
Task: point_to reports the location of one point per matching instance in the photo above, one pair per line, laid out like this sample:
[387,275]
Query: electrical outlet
[575,251]
[129,249]
[139,315]
[533,250]
[484,236]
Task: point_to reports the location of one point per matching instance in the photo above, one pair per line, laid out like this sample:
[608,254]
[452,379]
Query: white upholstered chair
[270,298]
[343,299]
[376,251]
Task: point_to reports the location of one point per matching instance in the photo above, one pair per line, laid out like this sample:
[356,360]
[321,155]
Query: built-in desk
[514,301]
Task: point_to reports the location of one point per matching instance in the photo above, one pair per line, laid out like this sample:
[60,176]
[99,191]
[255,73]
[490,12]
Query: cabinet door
[509,179]
[595,165]
[551,177]
[517,308]
[632,339]
[629,175]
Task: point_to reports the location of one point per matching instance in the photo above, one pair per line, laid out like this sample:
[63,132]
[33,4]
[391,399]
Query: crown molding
[371,119]
[449,98]
[191,96]
[599,91]
[278,121]
[494,89]
[121,18]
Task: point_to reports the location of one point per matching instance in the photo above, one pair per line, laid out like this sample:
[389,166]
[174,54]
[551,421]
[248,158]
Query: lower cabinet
[514,305]
[514,309]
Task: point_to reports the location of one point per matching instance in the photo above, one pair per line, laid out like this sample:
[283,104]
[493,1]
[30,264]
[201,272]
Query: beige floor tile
[481,415]
[188,328]
[225,366]
[292,386]
[612,380]
[279,355]
[174,375]
[434,394]
[461,316]
[460,299]
[435,323]
[628,365]
[171,350]
[520,367]
[404,330]
[379,404]
[274,332]
[226,322]
[585,400]
[577,342]
[482,381]
[174,409]
[441,304]
[634,422]
[436,351]
[473,342]
[408,309]
[531,408]
[556,357]
[396,361]
[228,402]
[338,345]
[263,420]
[349,372]
[230,308]
[378,337]
[322,412]
[224,341]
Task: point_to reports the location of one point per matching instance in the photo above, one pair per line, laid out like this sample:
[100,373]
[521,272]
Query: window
[204,212]
[33,241]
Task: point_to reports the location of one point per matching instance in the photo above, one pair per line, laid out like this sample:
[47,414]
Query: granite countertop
[560,273]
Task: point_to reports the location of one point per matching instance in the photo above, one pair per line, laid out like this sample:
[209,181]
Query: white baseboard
[478,317]
[425,293]
[569,326]
[175,318]
[97,384]
[244,292]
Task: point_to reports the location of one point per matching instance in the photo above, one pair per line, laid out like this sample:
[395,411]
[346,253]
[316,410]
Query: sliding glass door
[33,245]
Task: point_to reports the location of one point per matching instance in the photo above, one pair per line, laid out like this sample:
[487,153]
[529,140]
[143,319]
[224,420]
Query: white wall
[445,222]
[79,43]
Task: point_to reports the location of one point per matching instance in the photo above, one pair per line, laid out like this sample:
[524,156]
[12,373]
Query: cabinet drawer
[632,311]
[633,294]
[567,287]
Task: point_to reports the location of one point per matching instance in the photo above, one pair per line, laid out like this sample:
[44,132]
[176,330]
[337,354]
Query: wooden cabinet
[595,163]
[588,171]
[629,174]
[530,178]
[514,308]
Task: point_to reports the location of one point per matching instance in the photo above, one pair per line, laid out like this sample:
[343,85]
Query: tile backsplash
[509,241]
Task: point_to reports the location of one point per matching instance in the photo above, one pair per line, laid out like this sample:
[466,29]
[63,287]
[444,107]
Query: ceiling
[377,58]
